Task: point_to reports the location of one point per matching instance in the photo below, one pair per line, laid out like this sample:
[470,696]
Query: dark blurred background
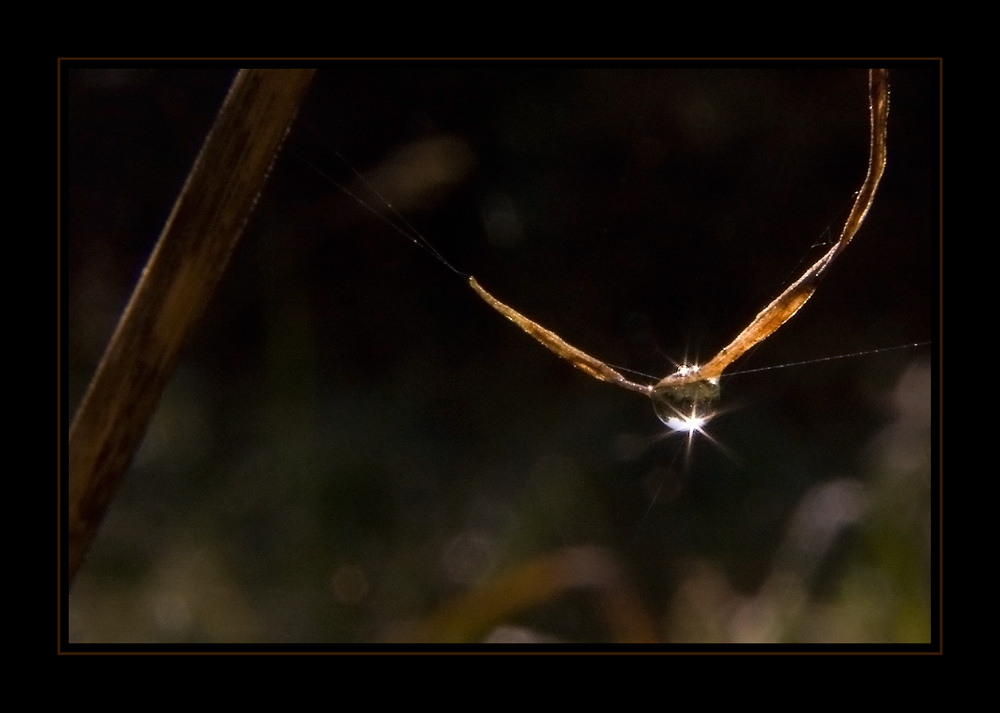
[353,441]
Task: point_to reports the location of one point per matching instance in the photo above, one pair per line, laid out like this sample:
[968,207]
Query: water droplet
[686,407]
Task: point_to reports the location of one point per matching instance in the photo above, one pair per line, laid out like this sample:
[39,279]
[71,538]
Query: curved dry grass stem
[798,293]
[581,360]
[769,319]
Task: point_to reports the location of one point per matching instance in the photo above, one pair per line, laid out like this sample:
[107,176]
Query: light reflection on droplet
[686,407]
[687,425]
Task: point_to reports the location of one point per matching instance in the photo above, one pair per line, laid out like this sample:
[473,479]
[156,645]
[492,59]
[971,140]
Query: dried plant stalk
[190,256]
[682,398]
